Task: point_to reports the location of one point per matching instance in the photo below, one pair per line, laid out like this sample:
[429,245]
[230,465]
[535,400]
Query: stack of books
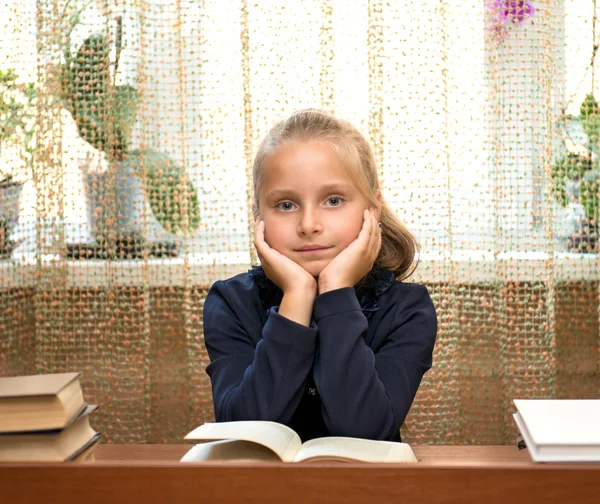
[560,430]
[44,418]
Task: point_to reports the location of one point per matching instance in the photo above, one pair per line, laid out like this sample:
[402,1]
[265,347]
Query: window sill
[467,267]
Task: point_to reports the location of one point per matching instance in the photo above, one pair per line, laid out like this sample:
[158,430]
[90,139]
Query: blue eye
[335,201]
[285,206]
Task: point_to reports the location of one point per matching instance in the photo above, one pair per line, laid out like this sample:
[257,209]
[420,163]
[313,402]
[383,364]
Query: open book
[270,441]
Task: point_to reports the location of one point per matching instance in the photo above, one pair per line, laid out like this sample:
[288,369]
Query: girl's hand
[285,273]
[356,260]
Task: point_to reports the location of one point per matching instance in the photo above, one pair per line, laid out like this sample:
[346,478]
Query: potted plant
[105,114]
[575,179]
[16,133]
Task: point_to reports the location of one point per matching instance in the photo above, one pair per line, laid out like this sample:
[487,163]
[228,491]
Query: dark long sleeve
[257,373]
[367,392]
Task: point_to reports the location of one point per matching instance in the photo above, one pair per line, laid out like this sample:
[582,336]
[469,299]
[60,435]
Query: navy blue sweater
[354,372]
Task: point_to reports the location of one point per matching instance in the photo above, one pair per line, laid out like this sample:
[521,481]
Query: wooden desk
[152,474]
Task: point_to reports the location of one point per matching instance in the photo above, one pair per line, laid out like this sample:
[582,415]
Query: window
[421,79]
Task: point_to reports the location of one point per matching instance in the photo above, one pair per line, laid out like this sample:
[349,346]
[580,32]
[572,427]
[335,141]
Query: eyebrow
[290,193]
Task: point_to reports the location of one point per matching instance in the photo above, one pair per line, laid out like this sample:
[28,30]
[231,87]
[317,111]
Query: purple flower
[513,11]
[505,12]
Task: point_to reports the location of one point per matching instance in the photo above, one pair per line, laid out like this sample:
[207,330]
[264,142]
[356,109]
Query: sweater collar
[377,281]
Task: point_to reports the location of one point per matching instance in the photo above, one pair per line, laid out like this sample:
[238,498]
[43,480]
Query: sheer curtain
[468,107]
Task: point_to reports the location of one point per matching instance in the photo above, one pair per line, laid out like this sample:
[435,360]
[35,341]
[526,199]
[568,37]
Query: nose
[310,223]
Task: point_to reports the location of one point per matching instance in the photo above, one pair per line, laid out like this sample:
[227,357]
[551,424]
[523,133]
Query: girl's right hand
[289,276]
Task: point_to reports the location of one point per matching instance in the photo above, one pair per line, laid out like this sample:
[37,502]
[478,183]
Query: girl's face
[310,205]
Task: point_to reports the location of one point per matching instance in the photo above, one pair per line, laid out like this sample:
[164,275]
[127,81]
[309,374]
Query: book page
[277,437]
[229,449]
[348,449]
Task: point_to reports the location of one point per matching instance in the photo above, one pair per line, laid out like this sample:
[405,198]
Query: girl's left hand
[356,260]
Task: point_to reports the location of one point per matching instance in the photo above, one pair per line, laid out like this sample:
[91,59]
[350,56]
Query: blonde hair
[398,245]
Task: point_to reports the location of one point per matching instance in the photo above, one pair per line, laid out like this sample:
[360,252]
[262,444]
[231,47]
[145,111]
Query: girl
[321,337]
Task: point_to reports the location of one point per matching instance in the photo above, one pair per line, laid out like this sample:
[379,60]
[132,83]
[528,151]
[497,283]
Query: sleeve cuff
[281,329]
[335,302]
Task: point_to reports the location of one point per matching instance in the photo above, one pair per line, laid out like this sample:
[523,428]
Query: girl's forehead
[300,162]
[312,168]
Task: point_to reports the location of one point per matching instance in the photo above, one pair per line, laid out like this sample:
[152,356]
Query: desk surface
[152,473]
[430,455]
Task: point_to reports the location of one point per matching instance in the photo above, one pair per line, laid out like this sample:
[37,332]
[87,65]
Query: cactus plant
[105,114]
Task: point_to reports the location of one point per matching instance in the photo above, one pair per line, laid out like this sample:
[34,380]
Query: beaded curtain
[128,133]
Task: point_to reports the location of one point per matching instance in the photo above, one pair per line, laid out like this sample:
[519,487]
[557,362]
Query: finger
[378,241]
[374,222]
[367,226]
[374,228]
[375,244]
[262,247]
[259,239]
[363,236]
[258,234]
[377,226]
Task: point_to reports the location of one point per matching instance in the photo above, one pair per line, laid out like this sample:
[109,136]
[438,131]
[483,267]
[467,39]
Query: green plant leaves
[17,118]
[172,196]
[86,85]
[589,193]
[570,167]
[581,166]
[122,114]
[12,110]
[105,115]
[590,118]
[558,188]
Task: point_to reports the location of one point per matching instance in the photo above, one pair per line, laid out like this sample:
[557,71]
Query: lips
[312,248]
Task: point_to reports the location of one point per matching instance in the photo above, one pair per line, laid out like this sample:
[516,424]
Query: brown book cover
[85,410]
[51,446]
[39,402]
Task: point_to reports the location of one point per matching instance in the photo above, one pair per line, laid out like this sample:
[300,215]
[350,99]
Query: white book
[560,430]
[260,440]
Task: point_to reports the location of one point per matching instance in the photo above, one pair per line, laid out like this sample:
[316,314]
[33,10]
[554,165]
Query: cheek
[275,233]
[345,231]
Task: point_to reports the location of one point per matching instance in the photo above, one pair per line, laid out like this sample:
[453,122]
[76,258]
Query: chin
[314,268]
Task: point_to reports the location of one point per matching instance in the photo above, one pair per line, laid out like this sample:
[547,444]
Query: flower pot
[120,217]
